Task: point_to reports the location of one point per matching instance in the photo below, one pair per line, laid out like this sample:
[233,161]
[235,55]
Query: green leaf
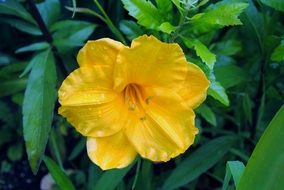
[40,96]
[278,53]
[266,165]
[33,47]
[198,162]
[207,113]
[216,16]
[217,91]
[12,86]
[58,175]
[130,29]
[230,75]
[145,12]
[166,27]
[70,33]
[177,4]
[204,53]
[80,146]
[228,47]
[235,169]
[253,27]
[12,7]
[111,178]
[276,4]
[22,26]
[49,11]
[165,8]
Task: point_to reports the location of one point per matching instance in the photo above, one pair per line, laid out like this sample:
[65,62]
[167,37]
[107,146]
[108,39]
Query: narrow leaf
[217,91]
[13,7]
[207,114]
[49,11]
[198,162]
[266,165]
[235,169]
[58,175]
[38,106]
[33,47]
[22,26]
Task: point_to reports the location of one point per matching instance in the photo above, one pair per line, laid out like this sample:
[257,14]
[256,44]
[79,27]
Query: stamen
[143,118]
[148,99]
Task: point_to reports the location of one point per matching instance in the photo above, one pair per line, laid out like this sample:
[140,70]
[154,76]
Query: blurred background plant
[238,43]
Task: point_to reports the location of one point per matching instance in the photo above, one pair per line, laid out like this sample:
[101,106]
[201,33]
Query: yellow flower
[133,100]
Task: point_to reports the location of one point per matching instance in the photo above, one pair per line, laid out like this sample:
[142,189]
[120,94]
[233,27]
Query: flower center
[135,99]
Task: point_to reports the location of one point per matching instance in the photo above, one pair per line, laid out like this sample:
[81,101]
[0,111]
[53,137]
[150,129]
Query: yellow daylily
[133,100]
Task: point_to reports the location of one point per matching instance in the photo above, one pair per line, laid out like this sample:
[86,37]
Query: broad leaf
[230,75]
[198,162]
[276,4]
[265,167]
[61,179]
[145,12]
[204,53]
[216,16]
[278,53]
[38,106]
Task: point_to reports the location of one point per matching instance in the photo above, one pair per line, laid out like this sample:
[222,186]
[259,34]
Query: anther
[132,107]
[148,99]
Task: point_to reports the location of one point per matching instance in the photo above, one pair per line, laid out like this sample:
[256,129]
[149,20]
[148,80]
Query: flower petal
[98,120]
[100,52]
[111,152]
[166,130]
[89,103]
[87,85]
[150,62]
[195,86]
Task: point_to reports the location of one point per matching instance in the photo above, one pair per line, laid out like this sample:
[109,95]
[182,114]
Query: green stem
[110,24]
[180,25]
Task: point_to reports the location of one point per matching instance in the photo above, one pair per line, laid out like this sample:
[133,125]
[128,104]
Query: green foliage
[238,45]
[37,116]
[278,53]
[13,7]
[265,167]
[235,169]
[276,4]
[110,179]
[223,13]
[195,164]
[150,16]
[58,175]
